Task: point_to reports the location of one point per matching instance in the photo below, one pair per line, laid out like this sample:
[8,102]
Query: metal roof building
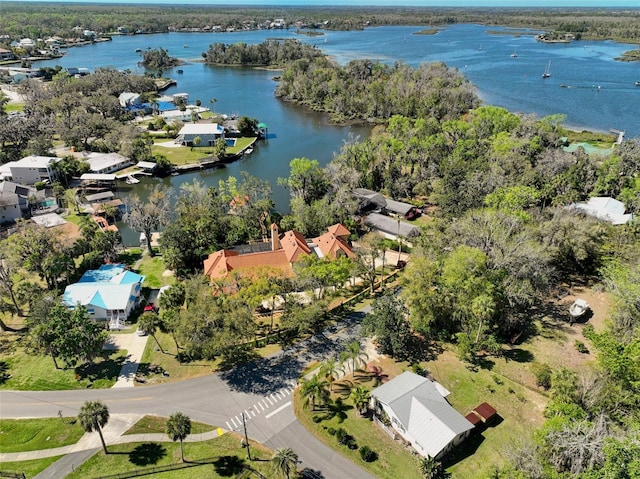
[420,413]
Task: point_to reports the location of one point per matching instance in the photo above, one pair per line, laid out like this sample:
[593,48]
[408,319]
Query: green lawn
[185,155]
[152,269]
[20,435]
[9,107]
[31,467]
[36,373]
[220,457]
[157,424]
[393,460]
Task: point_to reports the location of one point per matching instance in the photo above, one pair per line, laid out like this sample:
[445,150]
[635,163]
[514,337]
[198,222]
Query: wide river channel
[587,85]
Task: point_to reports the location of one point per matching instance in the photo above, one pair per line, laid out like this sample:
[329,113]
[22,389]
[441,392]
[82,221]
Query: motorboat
[578,308]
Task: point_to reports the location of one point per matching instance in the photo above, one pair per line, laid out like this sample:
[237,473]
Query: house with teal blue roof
[109,293]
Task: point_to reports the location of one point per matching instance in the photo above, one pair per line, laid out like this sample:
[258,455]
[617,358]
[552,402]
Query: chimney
[275,240]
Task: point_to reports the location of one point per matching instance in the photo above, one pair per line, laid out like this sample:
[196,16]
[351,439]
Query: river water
[597,92]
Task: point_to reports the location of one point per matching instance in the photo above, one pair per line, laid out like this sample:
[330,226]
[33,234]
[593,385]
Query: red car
[150,308]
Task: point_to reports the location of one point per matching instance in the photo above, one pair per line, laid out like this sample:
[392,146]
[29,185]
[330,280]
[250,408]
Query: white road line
[269,399]
[239,420]
[246,413]
[265,404]
[287,392]
[276,394]
[229,426]
[276,411]
[273,396]
[234,424]
[261,406]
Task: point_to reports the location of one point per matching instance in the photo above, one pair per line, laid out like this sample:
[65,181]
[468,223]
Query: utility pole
[246,438]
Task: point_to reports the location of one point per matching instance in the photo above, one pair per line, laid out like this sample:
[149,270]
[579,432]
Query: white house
[9,207]
[32,169]
[107,162]
[606,209]
[129,98]
[208,133]
[109,293]
[419,412]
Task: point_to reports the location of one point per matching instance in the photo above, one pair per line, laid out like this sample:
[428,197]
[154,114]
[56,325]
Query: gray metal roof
[369,197]
[424,413]
[398,207]
[390,225]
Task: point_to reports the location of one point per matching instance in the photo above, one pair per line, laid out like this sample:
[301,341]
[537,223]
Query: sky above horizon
[413,3]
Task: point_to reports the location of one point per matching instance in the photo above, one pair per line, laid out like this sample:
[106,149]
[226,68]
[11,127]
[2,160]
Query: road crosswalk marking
[261,406]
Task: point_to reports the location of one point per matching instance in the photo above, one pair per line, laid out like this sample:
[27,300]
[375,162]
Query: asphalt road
[260,389]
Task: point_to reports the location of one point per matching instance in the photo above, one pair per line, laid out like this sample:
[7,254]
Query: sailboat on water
[515,53]
[547,71]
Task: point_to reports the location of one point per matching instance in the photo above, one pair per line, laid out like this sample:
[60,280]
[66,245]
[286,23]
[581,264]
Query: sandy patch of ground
[69,232]
[10,93]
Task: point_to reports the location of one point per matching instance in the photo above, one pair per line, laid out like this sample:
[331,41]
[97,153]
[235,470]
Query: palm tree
[482,307]
[315,389]
[432,469]
[330,369]
[360,397]
[355,354]
[178,428]
[284,461]
[93,416]
[149,323]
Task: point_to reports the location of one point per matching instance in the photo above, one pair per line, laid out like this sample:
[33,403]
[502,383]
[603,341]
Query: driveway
[134,345]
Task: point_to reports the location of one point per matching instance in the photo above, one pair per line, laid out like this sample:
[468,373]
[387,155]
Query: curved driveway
[261,390]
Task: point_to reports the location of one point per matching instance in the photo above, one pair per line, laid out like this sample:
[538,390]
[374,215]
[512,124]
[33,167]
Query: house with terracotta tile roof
[280,253]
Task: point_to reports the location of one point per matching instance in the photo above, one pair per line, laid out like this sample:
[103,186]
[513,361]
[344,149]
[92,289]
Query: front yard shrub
[581,347]
[367,455]
[342,436]
[542,372]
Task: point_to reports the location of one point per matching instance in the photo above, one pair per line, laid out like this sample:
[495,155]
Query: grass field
[20,435]
[31,467]
[217,458]
[157,424]
[185,155]
[37,373]
[152,269]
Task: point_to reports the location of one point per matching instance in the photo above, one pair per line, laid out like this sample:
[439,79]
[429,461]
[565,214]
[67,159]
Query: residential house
[207,132]
[105,163]
[373,201]
[391,227]
[369,200]
[418,411]
[27,196]
[27,44]
[109,293]
[280,253]
[129,98]
[6,55]
[34,169]
[9,207]
[333,244]
[403,210]
[606,209]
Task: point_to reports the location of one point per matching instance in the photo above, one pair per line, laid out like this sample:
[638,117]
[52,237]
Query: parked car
[150,308]
[141,332]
